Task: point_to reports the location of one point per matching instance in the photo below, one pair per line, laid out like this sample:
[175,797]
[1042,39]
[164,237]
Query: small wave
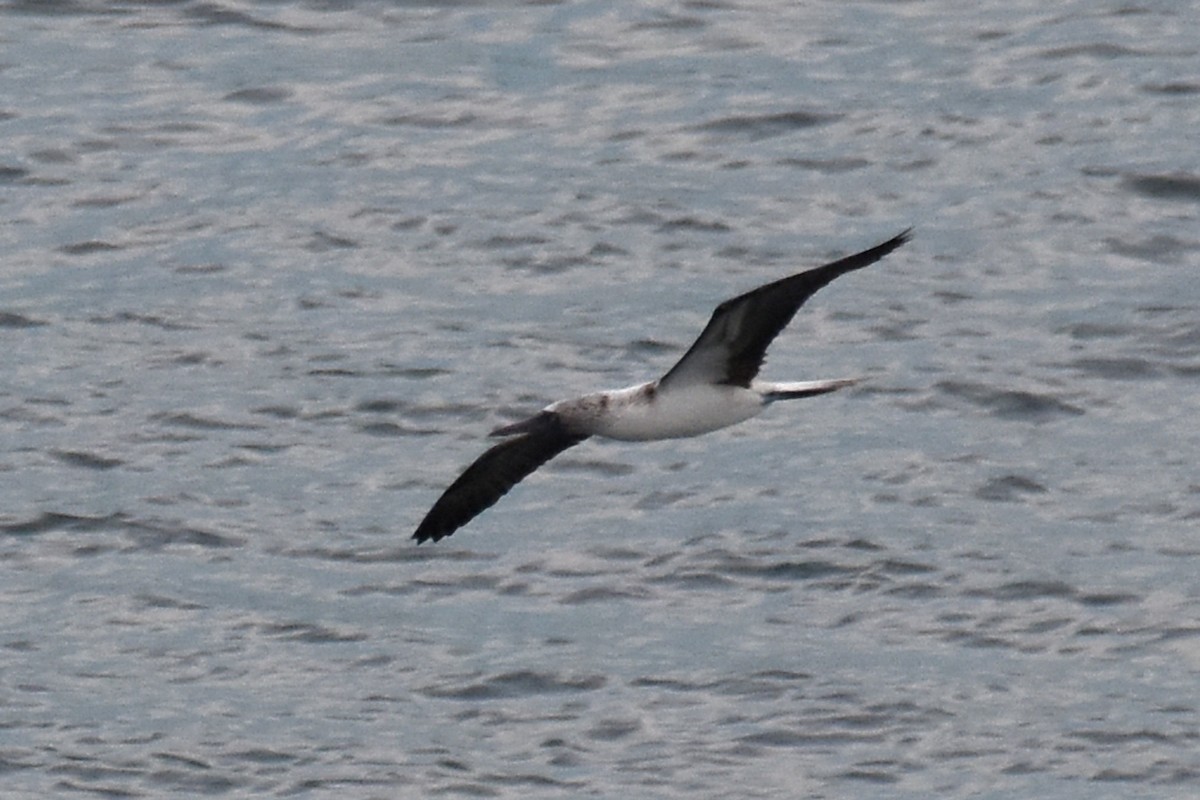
[522,683]
[1175,186]
[147,535]
[1010,403]
[762,126]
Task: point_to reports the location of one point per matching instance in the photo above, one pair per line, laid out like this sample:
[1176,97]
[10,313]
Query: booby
[713,386]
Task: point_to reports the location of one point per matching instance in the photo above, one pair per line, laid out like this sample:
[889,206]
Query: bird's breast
[644,413]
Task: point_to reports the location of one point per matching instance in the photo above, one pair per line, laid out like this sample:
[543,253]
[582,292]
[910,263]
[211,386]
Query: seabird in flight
[713,386]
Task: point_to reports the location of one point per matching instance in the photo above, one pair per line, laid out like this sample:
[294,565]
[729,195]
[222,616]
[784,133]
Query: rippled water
[271,271]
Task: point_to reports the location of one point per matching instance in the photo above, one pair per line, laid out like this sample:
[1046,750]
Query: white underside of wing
[707,362]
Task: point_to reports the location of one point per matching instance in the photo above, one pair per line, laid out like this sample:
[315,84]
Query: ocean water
[269,273]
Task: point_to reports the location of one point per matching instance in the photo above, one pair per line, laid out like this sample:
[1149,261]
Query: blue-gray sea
[271,271]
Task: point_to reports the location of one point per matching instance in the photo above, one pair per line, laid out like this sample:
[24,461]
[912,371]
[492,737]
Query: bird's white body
[647,411]
[644,413]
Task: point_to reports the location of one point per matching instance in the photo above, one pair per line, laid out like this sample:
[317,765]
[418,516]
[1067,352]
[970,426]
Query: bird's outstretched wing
[493,474]
[732,346]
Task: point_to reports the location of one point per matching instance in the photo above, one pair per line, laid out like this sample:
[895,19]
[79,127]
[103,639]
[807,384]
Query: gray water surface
[271,271]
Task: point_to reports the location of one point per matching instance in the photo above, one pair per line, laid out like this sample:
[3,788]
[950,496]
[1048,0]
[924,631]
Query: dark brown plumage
[736,338]
[493,474]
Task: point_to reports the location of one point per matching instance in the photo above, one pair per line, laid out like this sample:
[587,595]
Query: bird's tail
[791,391]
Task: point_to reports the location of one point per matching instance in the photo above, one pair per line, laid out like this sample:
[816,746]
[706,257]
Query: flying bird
[713,386]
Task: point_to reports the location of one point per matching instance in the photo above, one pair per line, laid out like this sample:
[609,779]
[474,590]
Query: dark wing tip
[900,238]
[866,257]
[434,528]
